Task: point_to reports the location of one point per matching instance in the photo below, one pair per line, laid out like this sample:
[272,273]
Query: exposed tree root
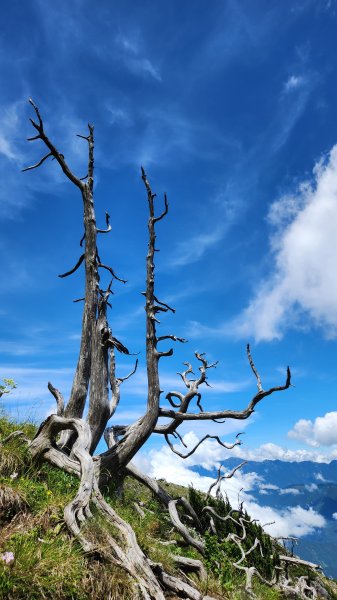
[123,549]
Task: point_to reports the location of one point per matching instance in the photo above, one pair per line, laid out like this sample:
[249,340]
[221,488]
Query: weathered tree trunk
[69,442]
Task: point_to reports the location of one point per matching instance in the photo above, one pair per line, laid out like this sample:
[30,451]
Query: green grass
[44,567]
[49,564]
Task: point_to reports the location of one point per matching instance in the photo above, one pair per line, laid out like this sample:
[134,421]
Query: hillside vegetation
[39,559]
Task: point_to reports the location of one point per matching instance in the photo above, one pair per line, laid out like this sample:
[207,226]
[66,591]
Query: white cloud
[303,431]
[304,246]
[31,400]
[118,115]
[270,451]
[133,58]
[194,248]
[268,486]
[319,477]
[294,81]
[334,515]
[311,487]
[9,125]
[320,432]
[293,491]
[295,521]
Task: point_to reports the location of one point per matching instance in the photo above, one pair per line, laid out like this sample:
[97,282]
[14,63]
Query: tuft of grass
[50,567]
[11,503]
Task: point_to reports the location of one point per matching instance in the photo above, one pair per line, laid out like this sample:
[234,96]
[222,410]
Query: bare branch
[229,475]
[176,434]
[206,437]
[178,395]
[298,561]
[111,271]
[78,264]
[258,379]
[13,435]
[172,506]
[227,414]
[166,306]
[164,213]
[122,379]
[59,399]
[184,374]
[107,220]
[167,353]
[116,382]
[174,338]
[57,155]
[38,163]
[37,112]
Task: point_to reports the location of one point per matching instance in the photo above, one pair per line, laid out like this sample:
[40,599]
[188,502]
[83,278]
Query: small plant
[7,386]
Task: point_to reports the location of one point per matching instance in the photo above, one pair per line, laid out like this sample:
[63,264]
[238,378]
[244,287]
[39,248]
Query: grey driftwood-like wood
[68,440]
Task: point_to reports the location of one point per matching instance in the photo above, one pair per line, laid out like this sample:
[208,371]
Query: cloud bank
[290,521]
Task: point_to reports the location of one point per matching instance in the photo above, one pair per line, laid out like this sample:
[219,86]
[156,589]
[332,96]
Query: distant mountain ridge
[281,473]
[311,485]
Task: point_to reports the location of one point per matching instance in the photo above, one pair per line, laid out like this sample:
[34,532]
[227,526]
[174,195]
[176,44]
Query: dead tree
[68,441]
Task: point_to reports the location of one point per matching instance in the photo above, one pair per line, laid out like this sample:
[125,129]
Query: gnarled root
[123,550]
[130,557]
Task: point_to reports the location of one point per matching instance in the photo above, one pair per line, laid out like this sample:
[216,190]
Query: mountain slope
[291,484]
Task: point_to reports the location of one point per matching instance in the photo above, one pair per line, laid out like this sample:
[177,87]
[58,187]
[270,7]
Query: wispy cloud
[10,120]
[191,250]
[21,190]
[294,82]
[32,399]
[133,57]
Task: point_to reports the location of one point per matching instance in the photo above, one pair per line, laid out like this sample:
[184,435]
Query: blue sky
[231,108]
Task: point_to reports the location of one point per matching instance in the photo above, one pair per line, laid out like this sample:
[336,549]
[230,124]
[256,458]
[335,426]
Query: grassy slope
[49,564]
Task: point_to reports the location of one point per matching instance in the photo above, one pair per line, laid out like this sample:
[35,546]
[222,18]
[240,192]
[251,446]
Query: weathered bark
[99,406]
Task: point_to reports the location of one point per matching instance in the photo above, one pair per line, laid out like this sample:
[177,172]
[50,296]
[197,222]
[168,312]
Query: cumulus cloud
[320,432]
[334,515]
[292,521]
[304,246]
